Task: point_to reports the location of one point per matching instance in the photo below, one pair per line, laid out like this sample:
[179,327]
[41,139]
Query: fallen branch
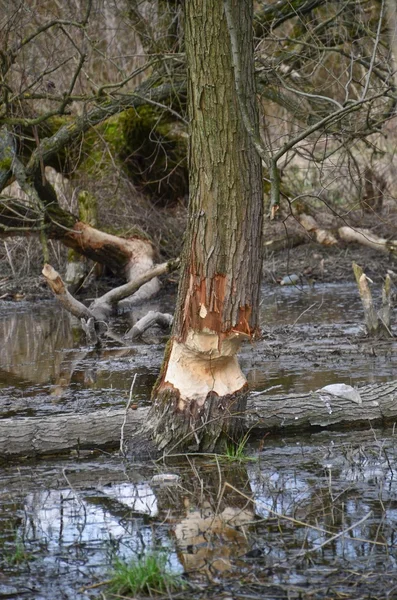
[367,238]
[333,406]
[102,308]
[164,320]
[109,301]
[58,288]
[323,236]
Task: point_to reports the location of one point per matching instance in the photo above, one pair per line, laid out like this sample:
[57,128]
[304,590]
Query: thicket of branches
[97,91]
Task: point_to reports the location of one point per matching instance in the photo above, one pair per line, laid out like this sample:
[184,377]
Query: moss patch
[154,152]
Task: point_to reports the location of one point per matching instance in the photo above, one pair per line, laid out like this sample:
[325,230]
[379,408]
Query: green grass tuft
[147,575]
[236,452]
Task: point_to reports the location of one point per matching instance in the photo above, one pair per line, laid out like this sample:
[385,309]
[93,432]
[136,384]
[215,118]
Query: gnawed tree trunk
[201,392]
[377,322]
[328,407]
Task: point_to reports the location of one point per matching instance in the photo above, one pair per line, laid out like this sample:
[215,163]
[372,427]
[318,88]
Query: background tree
[98,92]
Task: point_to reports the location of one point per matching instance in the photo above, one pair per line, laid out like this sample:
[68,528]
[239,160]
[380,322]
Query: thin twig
[125,417]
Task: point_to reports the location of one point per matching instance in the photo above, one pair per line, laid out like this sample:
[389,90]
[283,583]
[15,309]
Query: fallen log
[94,317]
[322,236]
[367,238]
[334,406]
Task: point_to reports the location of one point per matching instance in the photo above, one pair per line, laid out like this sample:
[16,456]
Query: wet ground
[311,516]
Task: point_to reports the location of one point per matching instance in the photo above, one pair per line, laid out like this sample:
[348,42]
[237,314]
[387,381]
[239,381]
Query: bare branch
[59,290]
[50,146]
[114,296]
[371,65]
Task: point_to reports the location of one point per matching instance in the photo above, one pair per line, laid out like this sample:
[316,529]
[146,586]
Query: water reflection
[330,303]
[46,367]
[311,508]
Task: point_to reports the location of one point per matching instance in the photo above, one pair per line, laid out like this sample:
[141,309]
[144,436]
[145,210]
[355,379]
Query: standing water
[303,516]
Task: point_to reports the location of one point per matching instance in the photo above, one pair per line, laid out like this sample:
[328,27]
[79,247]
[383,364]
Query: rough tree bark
[201,392]
[345,407]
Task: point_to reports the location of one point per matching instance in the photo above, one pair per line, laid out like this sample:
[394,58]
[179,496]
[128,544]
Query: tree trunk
[201,392]
[328,407]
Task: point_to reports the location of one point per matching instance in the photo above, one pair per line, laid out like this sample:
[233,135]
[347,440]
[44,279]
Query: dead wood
[96,315]
[384,313]
[377,323]
[58,288]
[322,236]
[106,304]
[287,241]
[333,406]
[164,320]
[367,238]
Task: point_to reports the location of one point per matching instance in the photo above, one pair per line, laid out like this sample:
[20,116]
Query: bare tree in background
[70,71]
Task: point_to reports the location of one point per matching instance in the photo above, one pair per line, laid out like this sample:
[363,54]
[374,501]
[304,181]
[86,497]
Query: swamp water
[310,516]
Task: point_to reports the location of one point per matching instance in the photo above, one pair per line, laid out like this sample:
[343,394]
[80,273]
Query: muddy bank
[312,263]
[316,264]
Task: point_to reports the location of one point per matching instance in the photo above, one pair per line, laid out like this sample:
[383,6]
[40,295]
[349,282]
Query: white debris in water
[341,390]
[165,479]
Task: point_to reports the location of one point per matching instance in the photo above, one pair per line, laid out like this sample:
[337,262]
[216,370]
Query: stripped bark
[377,323]
[384,313]
[58,288]
[367,406]
[371,318]
[322,236]
[367,238]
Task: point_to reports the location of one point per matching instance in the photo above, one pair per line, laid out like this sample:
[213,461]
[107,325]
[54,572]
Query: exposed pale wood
[150,319]
[30,436]
[367,238]
[377,323]
[58,288]
[103,307]
[114,296]
[385,311]
[323,236]
[288,241]
[371,318]
[202,392]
